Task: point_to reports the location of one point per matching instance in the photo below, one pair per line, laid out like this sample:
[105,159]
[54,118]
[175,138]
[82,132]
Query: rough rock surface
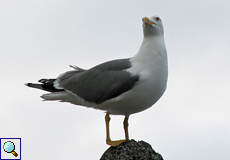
[131,150]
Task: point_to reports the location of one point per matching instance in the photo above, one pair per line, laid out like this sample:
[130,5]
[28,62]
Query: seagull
[118,87]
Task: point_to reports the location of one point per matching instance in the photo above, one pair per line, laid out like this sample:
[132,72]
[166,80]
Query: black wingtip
[28,84]
[43,80]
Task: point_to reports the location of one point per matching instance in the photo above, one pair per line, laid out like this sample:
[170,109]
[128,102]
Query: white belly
[146,93]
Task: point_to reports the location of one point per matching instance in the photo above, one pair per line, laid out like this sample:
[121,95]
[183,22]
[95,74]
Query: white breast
[150,63]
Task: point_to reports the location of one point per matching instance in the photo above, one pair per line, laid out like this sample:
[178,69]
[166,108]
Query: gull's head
[152,26]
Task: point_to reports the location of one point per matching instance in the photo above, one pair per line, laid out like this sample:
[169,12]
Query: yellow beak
[148,21]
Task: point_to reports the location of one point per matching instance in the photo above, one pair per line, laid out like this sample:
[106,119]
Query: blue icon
[9,147]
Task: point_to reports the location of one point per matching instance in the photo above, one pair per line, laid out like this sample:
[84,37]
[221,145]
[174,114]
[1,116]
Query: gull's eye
[157,18]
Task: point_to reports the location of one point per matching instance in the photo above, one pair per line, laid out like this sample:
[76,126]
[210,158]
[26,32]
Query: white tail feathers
[61,96]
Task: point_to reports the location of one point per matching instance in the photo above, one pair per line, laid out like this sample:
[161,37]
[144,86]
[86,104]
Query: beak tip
[148,21]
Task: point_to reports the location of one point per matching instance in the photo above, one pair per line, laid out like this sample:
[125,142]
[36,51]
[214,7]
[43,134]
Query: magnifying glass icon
[9,147]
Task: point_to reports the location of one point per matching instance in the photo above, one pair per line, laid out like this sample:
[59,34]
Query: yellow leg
[108,140]
[126,124]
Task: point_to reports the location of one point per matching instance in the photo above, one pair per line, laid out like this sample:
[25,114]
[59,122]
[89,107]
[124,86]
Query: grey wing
[97,84]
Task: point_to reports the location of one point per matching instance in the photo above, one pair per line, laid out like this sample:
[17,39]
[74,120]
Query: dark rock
[131,150]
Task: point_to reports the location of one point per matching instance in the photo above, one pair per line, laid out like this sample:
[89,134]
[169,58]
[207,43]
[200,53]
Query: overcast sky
[39,39]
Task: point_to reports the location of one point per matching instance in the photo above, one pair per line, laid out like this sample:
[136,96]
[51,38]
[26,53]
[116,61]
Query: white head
[152,26]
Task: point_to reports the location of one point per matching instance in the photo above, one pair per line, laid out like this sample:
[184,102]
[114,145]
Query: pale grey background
[39,39]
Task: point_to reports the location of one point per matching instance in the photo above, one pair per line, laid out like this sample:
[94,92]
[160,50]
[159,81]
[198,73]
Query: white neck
[152,54]
[152,48]
[154,43]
